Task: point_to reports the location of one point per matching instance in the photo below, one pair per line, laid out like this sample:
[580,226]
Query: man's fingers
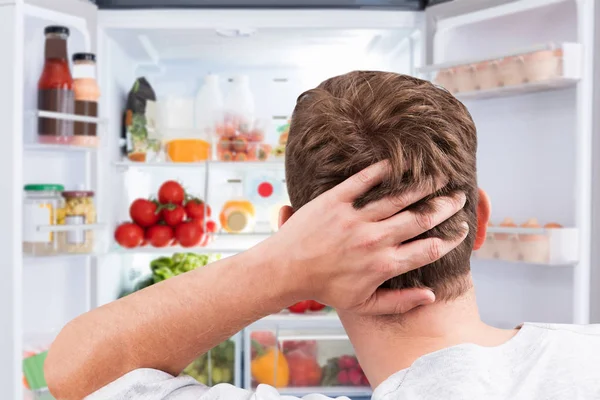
[421,252]
[394,302]
[409,224]
[361,182]
[388,206]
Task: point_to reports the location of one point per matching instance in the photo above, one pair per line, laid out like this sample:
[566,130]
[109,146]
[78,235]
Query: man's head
[354,120]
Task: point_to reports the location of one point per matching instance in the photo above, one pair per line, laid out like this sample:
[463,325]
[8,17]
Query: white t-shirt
[540,362]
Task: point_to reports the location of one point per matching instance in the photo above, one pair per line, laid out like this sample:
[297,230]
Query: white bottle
[209,105]
[239,104]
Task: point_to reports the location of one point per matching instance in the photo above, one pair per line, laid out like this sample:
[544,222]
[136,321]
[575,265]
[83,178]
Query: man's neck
[386,345]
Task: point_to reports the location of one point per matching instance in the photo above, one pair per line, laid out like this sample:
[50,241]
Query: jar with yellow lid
[79,210]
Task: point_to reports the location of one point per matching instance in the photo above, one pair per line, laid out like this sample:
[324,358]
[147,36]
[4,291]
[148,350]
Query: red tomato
[304,369]
[171,192]
[143,212]
[188,234]
[159,235]
[211,226]
[195,209]
[173,215]
[129,235]
[300,307]
[316,306]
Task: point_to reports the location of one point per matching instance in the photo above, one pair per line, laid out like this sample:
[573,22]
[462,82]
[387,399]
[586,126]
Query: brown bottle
[55,87]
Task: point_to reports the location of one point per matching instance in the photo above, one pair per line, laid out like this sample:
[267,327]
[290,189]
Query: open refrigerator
[524,68]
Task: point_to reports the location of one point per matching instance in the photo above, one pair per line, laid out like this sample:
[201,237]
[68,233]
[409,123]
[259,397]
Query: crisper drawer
[300,355]
[220,365]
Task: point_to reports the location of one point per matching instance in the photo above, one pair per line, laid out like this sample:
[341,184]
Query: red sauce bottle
[55,88]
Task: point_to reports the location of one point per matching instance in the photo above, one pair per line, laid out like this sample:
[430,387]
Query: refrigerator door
[33,300]
[411,5]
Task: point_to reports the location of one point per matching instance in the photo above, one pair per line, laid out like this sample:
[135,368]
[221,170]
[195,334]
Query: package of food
[139,125]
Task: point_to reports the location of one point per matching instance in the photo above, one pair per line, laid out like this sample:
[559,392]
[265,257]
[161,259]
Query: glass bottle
[55,88]
[87,94]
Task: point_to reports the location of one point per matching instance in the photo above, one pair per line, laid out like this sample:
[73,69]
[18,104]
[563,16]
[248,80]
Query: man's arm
[324,249]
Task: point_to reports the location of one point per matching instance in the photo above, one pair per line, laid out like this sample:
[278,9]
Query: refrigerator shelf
[539,68]
[70,228]
[330,391]
[506,91]
[42,147]
[222,243]
[58,256]
[543,246]
[275,163]
[68,117]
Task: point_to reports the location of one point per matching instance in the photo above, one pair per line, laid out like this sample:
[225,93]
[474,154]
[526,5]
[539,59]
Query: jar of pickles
[79,210]
[42,206]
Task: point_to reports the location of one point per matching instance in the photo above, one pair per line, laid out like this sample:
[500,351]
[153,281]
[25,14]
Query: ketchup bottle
[55,88]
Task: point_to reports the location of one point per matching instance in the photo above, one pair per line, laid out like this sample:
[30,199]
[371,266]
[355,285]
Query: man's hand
[340,256]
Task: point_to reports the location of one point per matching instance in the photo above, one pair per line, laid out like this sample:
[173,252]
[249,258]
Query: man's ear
[484,209]
[285,213]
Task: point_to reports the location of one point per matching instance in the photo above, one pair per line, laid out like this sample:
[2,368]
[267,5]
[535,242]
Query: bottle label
[35,215]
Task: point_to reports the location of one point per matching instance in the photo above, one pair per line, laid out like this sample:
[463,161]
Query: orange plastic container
[188,150]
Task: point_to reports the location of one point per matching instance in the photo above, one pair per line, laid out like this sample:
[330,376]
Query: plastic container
[238,214]
[79,210]
[87,94]
[512,71]
[446,79]
[543,65]
[55,88]
[181,141]
[313,357]
[217,366]
[487,75]
[239,102]
[242,142]
[42,206]
[209,108]
[465,79]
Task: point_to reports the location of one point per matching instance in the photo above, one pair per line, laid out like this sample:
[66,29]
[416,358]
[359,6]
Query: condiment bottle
[55,88]
[87,94]
[237,214]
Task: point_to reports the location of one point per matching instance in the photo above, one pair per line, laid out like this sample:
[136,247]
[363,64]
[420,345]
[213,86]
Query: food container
[512,71]
[507,243]
[465,79]
[314,355]
[79,210]
[487,75]
[219,365]
[238,141]
[42,206]
[446,79]
[543,65]
[238,214]
[187,148]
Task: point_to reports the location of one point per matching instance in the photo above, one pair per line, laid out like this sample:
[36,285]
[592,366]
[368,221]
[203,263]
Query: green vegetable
[162,273]
[161,262]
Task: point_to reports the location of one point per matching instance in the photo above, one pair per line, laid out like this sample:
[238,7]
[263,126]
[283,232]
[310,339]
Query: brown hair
[354,120]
